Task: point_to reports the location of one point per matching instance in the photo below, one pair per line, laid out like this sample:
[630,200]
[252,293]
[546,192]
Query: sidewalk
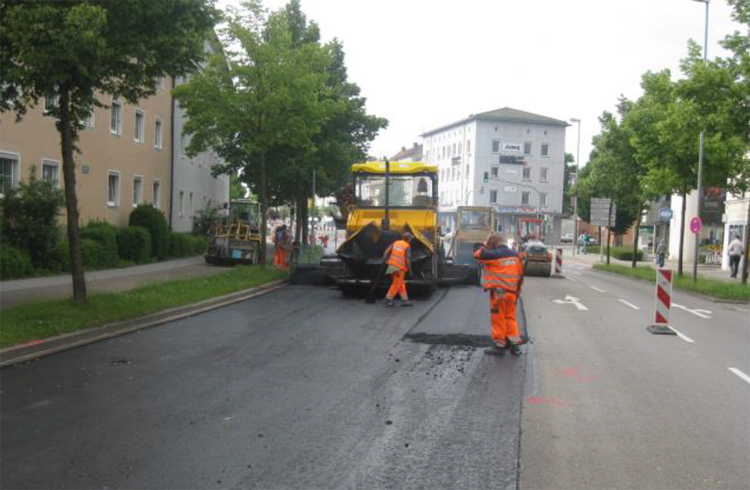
[22,291]
[707,271]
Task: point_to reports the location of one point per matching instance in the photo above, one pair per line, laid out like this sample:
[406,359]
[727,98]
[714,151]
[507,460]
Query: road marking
[740,374]
[597,289]
[742,310]
[568,277]
[629,304]
[681,335]
[705,314]
[571,300]
[577,273]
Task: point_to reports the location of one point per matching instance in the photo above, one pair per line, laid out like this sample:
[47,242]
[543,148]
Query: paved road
[610,405]
[22,291]
[296,389]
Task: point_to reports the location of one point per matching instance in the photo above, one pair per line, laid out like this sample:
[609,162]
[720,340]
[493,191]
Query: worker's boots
[407,302]
[497,349]
[514,349]
[389,302]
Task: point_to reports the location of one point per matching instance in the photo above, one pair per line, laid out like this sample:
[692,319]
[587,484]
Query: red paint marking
[538,400]
[571,372]
[663,297]
[30,342]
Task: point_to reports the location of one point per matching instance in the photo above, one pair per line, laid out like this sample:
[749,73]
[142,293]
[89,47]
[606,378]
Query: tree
[80,50]
[571,167]
[236,189]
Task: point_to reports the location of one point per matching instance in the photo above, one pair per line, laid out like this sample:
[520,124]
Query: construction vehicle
[390,199]
[473,225]
[538,259]
[235,238]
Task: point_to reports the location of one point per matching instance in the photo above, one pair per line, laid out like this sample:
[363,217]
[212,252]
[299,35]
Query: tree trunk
[682,232]
[609,236]
[71,200]
[747,243]
[263,209]
[298,221]
[305,219]
[635,238]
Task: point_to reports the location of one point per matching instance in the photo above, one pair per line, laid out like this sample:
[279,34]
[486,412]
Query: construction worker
[502,276]
[398,256]
[281,241]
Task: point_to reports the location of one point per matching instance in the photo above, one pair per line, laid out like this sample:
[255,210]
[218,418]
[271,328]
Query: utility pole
[700,157]
[575,198]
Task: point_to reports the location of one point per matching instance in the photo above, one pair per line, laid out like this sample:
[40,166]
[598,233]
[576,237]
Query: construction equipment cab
[235,239]
[473,225]
[389,200]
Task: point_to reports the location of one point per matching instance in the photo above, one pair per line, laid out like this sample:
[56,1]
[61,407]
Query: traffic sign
[696,225]
[603,212]
[665,214]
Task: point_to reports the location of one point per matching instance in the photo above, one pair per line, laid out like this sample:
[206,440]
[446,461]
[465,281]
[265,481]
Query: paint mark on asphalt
[681,335]
[572,372]
[628,304]
[550,401]
[571,300]
[740,374]
[570,278]
[597,289]
[742,310]
[705,314]
[577,273]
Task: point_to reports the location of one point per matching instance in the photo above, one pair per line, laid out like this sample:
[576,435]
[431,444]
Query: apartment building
[509,159]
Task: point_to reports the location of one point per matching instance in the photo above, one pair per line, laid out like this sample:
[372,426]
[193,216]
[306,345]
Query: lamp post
[700,155]
[575,179]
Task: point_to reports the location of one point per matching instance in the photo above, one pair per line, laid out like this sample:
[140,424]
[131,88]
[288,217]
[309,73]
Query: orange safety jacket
[502,273]
[398,255]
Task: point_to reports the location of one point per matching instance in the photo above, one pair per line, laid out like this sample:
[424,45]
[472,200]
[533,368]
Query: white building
[506,158]
[735,223]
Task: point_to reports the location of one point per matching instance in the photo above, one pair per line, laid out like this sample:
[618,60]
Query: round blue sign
[665,214]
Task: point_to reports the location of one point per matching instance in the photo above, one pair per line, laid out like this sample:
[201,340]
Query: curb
[44,347]
[684,291]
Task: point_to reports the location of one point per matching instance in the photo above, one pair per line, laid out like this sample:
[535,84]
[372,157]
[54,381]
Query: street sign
[696,225]
[603,212]
[665,214]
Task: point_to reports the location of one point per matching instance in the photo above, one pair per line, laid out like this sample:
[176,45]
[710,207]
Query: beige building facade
[125,155]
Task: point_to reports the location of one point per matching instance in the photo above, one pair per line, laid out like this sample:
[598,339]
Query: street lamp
[575,198]
[700,155]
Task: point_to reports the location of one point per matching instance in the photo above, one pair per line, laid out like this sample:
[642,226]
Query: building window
[495,146]
[494,172]
[468,147]
[113,188]
[527,173]
[157,134]
[115,125]
[527,148]
[51,102]
[525,197]
[459,149]
[543,174]
[51,172]
[493,197]
[542,199]
[157,194]
[9,170]
[181,203]
[137,190]
[545,149]
[138,126]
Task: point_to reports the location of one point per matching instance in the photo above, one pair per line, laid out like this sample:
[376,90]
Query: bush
[105,235]
[29,219]
[147,216]
[620,253]
[198,245]
[134,243]
[204,219]
[182,245]
[93,254]
[14,262]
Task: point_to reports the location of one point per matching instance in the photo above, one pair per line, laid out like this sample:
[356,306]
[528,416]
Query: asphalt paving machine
[473,225]
[235,238]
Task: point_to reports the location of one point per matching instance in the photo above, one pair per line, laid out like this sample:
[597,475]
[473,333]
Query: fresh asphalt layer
[609,405]
[300,388]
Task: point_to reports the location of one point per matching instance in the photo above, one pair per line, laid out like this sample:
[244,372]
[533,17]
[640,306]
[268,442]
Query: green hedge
[95,256]
[134,244]
[105,235]
[14,262]
[147,216]
[620,253]
[182,245]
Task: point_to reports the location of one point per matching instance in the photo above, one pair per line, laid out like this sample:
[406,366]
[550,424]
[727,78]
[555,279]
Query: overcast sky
[426,63]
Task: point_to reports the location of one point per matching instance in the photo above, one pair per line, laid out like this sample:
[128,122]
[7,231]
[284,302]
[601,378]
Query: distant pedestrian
[735,254]
[282,241]
[398,256]
[661,253]
[502,276]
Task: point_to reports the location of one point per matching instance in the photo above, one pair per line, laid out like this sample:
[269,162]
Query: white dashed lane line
[597,289]
[570,279]
[740,374]
[681,335]
[628,304]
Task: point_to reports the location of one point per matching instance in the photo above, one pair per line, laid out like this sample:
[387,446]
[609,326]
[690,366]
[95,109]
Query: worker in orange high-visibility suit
[398,256]
[281,241]
[502,276]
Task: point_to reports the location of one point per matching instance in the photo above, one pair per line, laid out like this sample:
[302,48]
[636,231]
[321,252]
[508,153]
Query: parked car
[567,238]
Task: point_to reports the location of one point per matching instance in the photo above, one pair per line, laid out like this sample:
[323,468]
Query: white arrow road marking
[740,374]
[681,335]
[597,289]
[571,300]
[697,312]
[629,304]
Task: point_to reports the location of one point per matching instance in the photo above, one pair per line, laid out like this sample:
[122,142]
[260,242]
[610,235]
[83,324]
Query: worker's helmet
[407,236]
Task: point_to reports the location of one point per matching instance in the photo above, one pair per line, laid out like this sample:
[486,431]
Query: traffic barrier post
[557,265]
[663,303]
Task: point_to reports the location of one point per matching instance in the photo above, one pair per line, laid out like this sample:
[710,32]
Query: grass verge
[709,287]
[48,318]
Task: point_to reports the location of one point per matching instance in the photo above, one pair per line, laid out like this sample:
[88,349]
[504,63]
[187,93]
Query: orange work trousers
[398,286]
[503,317]
[279,258]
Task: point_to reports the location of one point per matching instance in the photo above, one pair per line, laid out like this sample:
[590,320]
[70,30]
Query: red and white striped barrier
[663,303]
[558,261]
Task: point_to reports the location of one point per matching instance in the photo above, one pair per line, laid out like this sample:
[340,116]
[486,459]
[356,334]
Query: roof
[506,114]
[414,151]
[395,168]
